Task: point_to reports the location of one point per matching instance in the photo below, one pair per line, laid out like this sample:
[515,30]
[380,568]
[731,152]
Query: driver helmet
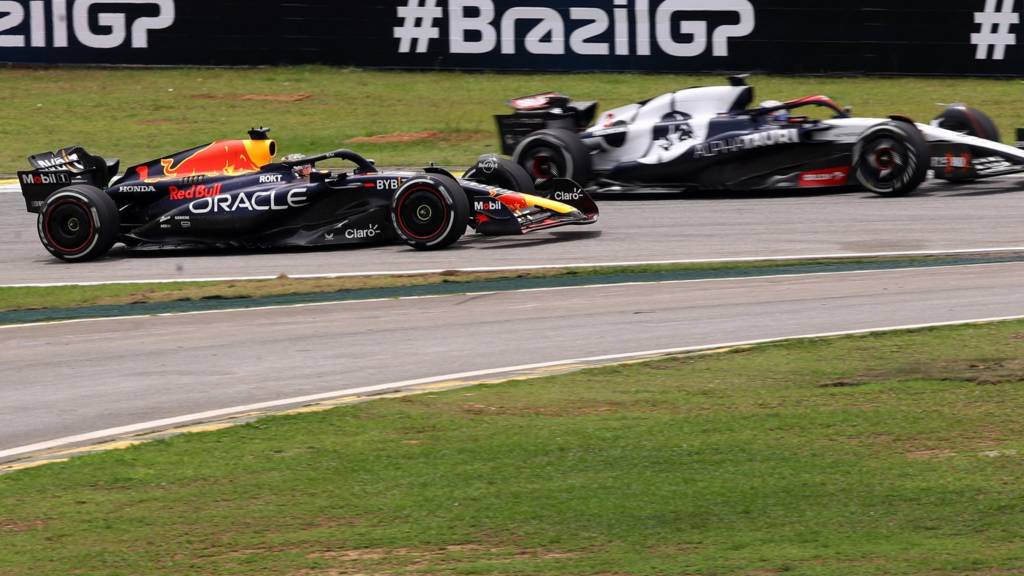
[779,116]
[302,170]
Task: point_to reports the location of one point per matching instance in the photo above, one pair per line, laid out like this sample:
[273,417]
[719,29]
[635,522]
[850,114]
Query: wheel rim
[544,164]
[68,226]
[886,160]
[422,213]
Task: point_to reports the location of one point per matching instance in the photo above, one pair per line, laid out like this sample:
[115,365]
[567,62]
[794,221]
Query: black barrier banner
[974,37]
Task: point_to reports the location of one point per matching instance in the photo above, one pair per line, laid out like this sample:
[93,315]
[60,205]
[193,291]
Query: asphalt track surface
[694,227]
[71,378]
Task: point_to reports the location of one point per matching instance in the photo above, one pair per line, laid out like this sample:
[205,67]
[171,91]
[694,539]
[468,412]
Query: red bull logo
[197,191]
[224,158]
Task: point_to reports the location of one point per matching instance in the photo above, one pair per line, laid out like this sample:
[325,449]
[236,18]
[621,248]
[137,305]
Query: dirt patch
[989,372]
[397,138]
[407,137]
[930,454]
[586,410]
[842,384]
[299,97]
[159,122]
[421,556]
[10,525]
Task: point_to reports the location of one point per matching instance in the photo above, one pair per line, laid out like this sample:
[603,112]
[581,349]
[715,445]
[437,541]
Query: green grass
[138,114]
[879,455]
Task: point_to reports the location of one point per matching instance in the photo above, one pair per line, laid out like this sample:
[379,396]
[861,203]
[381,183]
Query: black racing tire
[78,223]
[430,212]
[970,121]
[492,170]
[554,153]
[891,159]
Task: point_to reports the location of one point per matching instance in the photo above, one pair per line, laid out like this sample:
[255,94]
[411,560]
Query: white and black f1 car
[711,138]
[232,193]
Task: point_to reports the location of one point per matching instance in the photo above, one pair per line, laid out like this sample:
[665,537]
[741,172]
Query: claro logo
[101,24]
[624,28]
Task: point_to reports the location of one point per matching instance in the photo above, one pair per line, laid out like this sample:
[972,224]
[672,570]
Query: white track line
[576,265]
[166,423]
[484,292]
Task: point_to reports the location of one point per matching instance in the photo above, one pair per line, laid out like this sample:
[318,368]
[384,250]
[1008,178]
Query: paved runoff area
[75,378]
[940,218]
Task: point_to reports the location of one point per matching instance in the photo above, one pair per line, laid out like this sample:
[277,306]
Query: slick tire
[554,153]
[891,159]
[969,121]
[430,212]
[493,170]
[78,223]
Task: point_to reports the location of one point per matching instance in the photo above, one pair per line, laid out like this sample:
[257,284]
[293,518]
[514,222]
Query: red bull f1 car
[233,193]
[712,138]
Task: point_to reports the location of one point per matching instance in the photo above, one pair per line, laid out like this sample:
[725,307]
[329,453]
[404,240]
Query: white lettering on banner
[699,29]
[997,22]
[477,27]
[112,26]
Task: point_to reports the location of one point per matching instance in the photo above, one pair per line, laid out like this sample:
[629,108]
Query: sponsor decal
[951,163]
[251,202]
[564,196]
[362,234]
[329,236]
[489,165]
[46,178]
[748,142]
[271,178]
[136,189]
[514,202]
[487,206]
[678,28]
[825,178]
[99,24]
[229,157]
[392,184]
[197,191]
[55,161]
[674,128]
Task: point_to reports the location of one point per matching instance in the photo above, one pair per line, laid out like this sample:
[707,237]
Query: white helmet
[778,115]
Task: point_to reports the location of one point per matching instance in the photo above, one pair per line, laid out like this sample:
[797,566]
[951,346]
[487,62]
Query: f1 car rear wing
[55,170]
[541,111]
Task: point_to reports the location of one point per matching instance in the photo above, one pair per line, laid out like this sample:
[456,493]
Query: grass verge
[885,454]
[398,118]
[124,297]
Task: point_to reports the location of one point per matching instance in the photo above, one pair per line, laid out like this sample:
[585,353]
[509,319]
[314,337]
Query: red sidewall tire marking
[46,225]
[401,220]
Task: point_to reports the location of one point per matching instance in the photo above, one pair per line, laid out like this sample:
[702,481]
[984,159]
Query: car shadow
[717,195]
[158,252]
[480,242]
[977,188]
